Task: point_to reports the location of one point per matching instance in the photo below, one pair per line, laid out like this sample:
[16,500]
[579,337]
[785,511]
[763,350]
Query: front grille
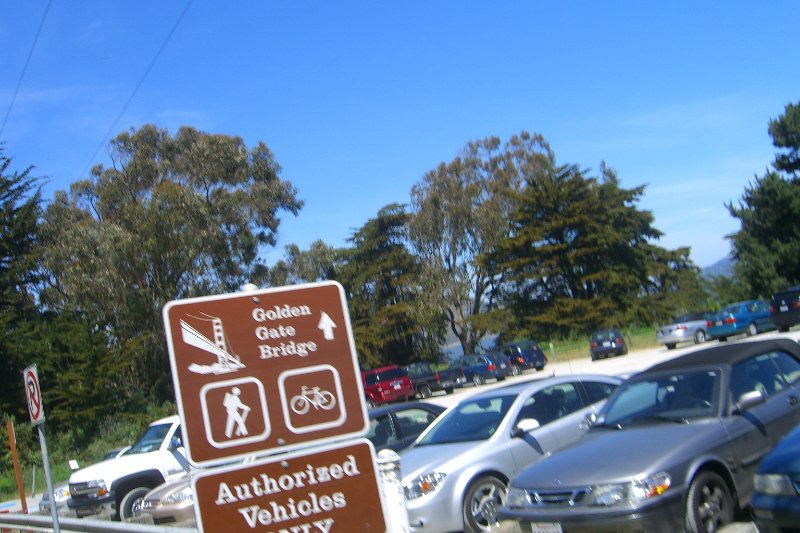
[552,498]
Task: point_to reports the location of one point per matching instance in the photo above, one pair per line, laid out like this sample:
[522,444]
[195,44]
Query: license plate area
[546,527]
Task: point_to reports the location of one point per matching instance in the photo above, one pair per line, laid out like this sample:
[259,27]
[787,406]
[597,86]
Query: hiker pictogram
[237,413]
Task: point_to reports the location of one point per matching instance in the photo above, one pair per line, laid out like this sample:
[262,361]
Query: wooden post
[12,439]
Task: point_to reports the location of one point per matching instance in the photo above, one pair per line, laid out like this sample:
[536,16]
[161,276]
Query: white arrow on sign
[326,325]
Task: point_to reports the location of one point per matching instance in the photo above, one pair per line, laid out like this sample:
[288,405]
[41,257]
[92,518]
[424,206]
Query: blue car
[480,367]
[749,317]
[776,500]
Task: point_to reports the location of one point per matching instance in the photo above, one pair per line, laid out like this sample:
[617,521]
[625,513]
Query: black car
[605,342]
[776,501]
[784,308]
[396,426]
[675,448]
[525,355]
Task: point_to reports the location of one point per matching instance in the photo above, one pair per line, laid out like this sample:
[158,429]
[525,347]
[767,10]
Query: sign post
[33,393]
[265,373]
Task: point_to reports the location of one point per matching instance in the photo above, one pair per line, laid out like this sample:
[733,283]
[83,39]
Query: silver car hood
[430,458]
[615,456]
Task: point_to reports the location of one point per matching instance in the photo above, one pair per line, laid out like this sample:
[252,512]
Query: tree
[785,133]
[767,247]
[460,210]
[579,254]
[19,274]
[173,217]
[380,277]
[320,262]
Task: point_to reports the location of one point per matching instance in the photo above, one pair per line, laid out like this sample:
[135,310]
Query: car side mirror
[749,400]
[523,426]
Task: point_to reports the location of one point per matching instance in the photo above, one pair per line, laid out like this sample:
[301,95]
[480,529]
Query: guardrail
[32,522]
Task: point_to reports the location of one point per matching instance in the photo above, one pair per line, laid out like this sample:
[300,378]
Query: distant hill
[723,267]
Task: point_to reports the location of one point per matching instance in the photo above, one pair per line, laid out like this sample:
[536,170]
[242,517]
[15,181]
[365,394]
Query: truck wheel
[131,503]
[424,391]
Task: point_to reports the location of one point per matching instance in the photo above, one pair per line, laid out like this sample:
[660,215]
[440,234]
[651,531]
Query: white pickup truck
[117,486]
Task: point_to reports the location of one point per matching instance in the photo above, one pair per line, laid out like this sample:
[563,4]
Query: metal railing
[33,522]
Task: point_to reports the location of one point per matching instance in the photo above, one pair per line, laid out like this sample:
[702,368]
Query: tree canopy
[767,247]
[173,217]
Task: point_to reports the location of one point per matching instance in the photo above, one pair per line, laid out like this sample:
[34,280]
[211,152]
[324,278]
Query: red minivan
[386,384]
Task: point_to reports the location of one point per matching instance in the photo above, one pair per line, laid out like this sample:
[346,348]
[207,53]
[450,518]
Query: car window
[788,366]
[597,390]
[551,403]
[413,421]
[681,395]
[381,431]
[471,420]
[756,373]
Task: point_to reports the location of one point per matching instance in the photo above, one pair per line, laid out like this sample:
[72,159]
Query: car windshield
[671,397]
[471,420]
[384,375]
[151,440]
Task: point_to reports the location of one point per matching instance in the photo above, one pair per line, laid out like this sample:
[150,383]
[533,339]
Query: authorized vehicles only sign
[264,370]
[332,489]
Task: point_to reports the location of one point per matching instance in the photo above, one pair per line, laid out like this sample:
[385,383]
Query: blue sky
[358,100]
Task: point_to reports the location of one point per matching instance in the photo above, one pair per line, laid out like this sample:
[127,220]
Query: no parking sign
[34,395]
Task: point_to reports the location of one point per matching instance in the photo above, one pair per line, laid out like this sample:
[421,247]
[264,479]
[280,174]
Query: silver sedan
[455,475]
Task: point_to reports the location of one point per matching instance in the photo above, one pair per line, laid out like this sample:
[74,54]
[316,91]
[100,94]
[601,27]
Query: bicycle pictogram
[320,399]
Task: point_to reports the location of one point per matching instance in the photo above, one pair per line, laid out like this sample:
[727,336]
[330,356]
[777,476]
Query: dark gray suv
[784,308]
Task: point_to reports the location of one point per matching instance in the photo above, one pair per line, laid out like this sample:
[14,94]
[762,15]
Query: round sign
[34,395]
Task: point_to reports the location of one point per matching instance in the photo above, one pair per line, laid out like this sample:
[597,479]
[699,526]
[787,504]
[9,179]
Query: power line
[138,85]
[25,67]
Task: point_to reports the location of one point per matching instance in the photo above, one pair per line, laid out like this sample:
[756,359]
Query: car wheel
[449,390]
[670,345]
[708,503]
[540,368]
[515,370]
[594,357]
[752,330]
[783,329]
[131,503]
[370,404]
[700,337]
[483,499]
[477,380]
[424,391]
[722,339]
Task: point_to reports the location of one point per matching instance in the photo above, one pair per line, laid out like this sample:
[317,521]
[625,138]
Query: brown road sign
[264,370]
[322,490]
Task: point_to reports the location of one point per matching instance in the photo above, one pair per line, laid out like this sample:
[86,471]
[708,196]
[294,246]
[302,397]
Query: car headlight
[94,488]
[178,497]
[774,485]
[634,492]
[425,484]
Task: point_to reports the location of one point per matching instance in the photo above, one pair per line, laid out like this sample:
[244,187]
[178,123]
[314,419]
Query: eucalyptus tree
[171,217]
[460,211]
